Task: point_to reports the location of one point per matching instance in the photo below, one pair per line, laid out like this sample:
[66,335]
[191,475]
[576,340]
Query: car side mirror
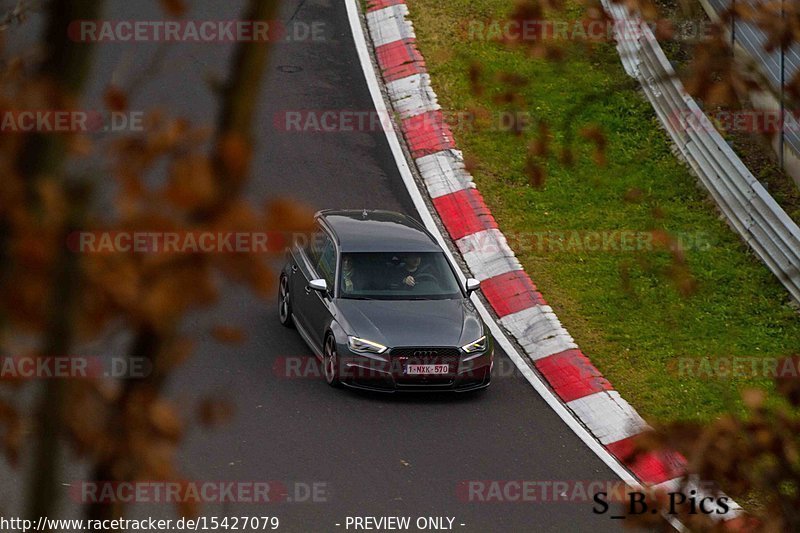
[472,285]
[319,285]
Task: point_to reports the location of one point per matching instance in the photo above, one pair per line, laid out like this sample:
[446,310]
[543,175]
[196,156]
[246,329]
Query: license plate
[427,370]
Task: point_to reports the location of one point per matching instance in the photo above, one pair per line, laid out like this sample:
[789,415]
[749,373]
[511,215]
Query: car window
[326,266]
[397,276]
[315,245]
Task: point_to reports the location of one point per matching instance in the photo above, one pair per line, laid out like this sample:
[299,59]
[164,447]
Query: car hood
[412,322]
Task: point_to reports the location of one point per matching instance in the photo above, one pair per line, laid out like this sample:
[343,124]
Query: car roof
[377,231]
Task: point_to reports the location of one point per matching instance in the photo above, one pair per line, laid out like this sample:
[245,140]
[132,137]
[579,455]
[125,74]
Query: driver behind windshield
[411,270]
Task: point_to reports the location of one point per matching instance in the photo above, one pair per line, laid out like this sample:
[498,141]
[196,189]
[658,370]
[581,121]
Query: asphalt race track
[372,455]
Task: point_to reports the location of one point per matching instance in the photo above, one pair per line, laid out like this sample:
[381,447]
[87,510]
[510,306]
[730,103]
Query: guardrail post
[783,88]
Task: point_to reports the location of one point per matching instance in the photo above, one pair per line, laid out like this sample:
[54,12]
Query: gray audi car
[376,299]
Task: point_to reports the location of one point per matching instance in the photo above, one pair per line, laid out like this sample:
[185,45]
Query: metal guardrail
[744,202]
[777,66]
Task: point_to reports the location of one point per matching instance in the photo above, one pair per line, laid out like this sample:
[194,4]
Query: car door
[319,303]
[303,256]
[309,306]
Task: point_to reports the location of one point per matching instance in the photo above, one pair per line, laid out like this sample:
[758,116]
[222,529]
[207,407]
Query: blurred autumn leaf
[214,412]
[174,8]
[228,334]
[753,458]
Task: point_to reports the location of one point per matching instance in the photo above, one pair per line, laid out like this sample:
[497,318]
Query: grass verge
[636,314]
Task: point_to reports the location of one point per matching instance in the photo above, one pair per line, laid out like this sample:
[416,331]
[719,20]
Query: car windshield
[397,276]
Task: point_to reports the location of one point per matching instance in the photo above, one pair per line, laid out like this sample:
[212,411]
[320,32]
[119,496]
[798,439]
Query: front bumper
[387,373]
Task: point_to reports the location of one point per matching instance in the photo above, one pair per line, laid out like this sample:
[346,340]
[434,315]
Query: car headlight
[364,346]
[475,346]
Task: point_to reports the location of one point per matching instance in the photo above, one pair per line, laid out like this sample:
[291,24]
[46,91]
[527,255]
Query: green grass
[624,309]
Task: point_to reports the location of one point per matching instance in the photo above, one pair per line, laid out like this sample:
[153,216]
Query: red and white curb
[520,308]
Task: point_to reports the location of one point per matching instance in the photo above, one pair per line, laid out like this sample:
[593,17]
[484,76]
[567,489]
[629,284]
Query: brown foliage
[228,334]
[752,458]
[126,429]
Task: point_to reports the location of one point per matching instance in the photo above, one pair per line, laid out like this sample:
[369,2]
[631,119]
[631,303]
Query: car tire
[284,303]
[330,362]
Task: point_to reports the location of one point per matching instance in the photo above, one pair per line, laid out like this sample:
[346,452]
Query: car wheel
[284,303]
[330,362]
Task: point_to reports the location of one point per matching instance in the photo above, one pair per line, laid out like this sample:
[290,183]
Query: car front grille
[402,357]
[448,353]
